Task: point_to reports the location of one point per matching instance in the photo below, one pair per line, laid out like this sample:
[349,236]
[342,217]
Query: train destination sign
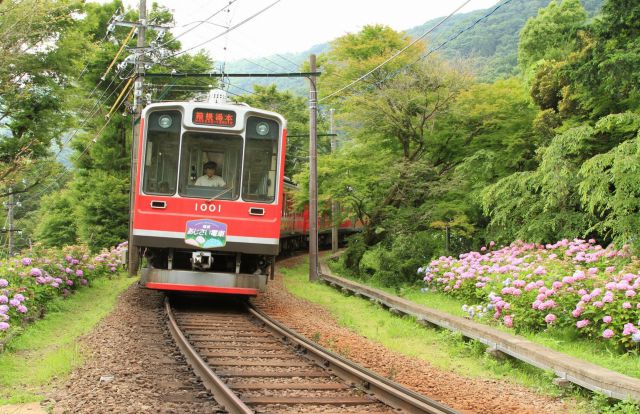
[206,234]
[214,117]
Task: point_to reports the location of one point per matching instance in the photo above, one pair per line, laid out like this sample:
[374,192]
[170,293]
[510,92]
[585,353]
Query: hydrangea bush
[572,284]
[27,283]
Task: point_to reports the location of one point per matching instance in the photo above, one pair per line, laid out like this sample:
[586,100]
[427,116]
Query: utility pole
[134,258]
[334,204]
[10,205]
[313,174]
[10,219]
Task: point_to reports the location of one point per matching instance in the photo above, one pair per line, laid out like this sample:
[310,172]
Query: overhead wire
[395,55]
[89,114]
[253,16]
[443,44]
[114,17]
[200,23]
[66,172]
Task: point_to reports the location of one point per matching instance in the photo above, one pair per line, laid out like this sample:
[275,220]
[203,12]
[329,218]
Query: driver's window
[210,165]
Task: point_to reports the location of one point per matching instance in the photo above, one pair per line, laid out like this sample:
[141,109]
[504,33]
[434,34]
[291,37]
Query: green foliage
[551,35]
[605,405]
[57,226]
[294,109]
[398,263]
[605,75]
[542,205]
[609,183]
[34,80]
[493,44]
[102,210]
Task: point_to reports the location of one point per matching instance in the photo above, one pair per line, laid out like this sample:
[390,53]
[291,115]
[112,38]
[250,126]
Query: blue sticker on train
[206,234]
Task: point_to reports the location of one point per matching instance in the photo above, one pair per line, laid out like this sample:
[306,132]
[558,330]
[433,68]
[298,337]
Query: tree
[605,75]
[609,181]
[294,109]
[98,189]
[34,79]
[551,35]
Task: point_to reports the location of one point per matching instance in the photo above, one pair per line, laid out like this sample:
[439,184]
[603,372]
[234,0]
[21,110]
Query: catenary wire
[86,149]
[443,44]
[226,31]
[395,55]
[200,23]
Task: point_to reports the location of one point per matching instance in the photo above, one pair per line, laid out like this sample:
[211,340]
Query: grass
[404,335]
[565,341]
[48,349]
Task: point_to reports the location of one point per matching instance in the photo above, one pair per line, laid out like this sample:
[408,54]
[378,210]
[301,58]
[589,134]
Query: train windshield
[210,165]
[260,160]
[161,153]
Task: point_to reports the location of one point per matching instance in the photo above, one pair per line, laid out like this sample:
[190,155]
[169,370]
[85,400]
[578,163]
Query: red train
[211,211]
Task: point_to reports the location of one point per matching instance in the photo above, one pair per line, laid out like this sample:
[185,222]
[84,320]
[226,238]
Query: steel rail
[222,394]
[565,367]
[385,390]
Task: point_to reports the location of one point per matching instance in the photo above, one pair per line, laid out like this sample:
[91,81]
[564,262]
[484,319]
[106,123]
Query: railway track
[252,364]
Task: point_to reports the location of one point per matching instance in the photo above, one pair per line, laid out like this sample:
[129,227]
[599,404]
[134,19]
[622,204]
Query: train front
[207,208]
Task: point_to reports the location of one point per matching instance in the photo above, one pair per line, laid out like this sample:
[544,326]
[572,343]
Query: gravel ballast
[468,395]
[134,366]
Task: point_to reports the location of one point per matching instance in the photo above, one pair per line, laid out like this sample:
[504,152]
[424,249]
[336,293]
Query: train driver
[210,179]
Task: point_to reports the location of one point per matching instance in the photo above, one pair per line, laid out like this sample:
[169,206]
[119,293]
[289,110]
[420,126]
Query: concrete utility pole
[334,204]
[313,174]
[134,258]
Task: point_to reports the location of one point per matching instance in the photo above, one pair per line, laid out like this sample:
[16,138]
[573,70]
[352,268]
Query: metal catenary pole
[137,104]
[313,171]
[334,203]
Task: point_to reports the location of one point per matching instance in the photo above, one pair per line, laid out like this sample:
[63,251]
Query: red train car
[294,229]
[208,204]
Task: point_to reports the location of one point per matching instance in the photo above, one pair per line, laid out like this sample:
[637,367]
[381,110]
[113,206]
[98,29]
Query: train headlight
[262,128]
[165,121]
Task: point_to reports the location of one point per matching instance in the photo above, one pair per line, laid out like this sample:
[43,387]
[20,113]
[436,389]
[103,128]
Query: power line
[66,172]
[443,44]
[226,31]
[398,53]
[200,23]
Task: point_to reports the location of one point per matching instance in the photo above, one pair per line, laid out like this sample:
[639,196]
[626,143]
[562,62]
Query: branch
[24,190]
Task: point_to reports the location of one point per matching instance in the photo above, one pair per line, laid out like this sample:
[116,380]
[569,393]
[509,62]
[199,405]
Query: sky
[293,25]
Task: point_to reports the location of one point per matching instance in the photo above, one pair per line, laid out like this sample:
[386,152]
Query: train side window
[206,149]
[160,168]
[259,175]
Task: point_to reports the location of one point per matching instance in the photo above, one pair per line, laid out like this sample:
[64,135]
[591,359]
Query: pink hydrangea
[550,318]
[582,323]
[607,319]
[626,305]
[608,333]
[629,329]
[508,321]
